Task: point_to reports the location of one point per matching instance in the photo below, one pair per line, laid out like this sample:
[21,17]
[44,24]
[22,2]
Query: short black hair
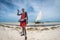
[22,9]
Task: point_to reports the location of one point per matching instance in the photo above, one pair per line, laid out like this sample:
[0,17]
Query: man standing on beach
[23,21]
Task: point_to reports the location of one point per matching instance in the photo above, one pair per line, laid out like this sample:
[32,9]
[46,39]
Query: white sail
[39,16]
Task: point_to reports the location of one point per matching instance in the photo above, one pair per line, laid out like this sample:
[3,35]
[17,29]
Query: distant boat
[39,17]
[37,22]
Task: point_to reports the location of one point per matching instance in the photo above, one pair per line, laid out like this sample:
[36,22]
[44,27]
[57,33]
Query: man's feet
[25,37]
[22,34]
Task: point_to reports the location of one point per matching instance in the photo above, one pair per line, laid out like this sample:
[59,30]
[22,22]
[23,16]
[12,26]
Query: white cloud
[48,7]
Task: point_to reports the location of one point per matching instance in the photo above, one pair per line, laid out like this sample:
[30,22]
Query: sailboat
[39,17]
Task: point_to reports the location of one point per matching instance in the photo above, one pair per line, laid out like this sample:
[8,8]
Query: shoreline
[32,24]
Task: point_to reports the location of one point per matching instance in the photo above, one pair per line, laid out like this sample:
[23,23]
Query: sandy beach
[11,31]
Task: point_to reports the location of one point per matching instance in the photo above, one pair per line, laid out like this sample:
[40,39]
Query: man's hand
[26,21]
[18,10]
[22,20]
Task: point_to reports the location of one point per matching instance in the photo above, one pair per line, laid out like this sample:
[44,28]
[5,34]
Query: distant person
[23,21]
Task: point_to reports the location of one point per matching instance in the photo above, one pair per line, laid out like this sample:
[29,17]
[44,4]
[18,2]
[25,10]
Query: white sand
[13,34]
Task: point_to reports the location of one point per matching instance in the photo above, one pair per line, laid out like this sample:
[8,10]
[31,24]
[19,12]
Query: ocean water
[33,24]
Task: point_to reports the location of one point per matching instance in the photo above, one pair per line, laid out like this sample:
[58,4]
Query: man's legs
[23,31]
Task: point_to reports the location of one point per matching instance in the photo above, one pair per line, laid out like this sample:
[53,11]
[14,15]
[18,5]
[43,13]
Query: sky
[50,10]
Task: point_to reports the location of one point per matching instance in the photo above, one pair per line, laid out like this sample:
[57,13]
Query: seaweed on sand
[44,29]
[53,28]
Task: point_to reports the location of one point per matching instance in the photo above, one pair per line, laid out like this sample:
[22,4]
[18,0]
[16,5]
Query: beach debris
[53,28]
[44,29]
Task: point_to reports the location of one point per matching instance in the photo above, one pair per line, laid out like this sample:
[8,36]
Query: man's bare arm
[18,13]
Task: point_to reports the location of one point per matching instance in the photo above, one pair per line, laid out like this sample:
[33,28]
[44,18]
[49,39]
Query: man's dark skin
[23,29]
